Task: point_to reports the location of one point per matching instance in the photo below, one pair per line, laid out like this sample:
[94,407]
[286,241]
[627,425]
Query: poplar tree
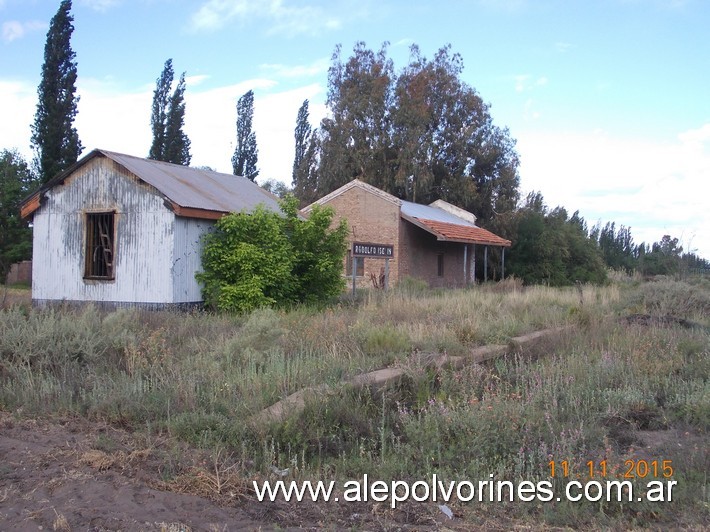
[246,153]
[170,143]
[177,144]
[302,135]
[55,140]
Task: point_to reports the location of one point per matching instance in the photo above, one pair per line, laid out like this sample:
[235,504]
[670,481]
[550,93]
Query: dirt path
[52,477]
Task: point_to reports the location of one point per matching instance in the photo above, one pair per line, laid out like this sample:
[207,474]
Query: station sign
[367,249]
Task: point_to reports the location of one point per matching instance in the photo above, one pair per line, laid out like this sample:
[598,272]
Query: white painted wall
[144,239]
[187,258]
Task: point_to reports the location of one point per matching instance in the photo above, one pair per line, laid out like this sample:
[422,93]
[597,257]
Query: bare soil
[54,476]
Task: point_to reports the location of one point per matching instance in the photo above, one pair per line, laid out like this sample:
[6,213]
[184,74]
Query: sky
[608,100]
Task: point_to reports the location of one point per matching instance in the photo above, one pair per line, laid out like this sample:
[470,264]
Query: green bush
[265,259]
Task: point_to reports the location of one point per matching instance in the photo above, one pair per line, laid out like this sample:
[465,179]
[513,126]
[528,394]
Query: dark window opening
[440,265]
[349,266]
[100,246]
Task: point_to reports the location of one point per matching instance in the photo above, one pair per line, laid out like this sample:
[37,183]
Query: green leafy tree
[447,144]
[355,141]
[170,143]
[664,257]
[246,154]
[306,188]
[277,188]
[177,143]
[617,246]
[266,258]
[421,135]
[550,248]
[16,182]
[54,138]
[159,114]
[318,252]
[247,262]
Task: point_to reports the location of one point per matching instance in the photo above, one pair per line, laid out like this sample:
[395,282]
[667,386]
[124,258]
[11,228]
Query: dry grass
[197,377]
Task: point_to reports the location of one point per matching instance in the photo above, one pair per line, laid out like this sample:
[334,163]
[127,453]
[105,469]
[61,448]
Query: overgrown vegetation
[16,182]
[551,247]
[609,390]
[266,258]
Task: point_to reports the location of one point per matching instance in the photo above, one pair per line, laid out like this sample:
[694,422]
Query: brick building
[437,243]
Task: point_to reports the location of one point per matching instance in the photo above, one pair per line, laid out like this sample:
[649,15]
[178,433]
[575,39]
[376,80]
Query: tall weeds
[601,392]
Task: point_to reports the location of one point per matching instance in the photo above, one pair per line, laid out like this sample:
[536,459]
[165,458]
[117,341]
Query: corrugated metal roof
[193,192]
[427,212]
[196,188]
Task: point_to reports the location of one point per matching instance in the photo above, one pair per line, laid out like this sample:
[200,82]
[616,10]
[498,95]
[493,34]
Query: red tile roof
[462,233]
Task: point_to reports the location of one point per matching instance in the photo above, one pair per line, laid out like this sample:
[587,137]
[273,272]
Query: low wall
[20,273]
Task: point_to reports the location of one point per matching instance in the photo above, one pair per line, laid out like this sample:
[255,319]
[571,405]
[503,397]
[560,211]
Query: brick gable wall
[374,218]
[371,218]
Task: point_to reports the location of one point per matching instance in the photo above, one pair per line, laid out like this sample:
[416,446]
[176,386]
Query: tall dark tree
[16,182]
[159,114]
[617,247]
[54,138]
[177,144]
[246,154]
[306,188]
[548,247]
[170,143]
[355,141]
[447,144]
[302,135]
[421,135]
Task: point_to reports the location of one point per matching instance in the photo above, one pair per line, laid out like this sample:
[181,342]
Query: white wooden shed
[121,231]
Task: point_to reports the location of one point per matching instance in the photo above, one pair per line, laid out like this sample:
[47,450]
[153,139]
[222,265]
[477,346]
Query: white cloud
[211,117]
[654,187]
[407,42]
[194,81]
[526,82]
[100,5]
[112,119]
[283,17]
[119,120]
[18,101]
[13,29]
[529,110]
[298,71]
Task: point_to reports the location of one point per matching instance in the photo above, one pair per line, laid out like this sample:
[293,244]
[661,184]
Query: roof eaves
[191,212]
[32,202]
[482,238]
[424,226]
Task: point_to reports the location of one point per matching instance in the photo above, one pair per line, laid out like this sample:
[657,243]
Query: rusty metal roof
[196,188]
[461,233]
[447,226]
[191,192]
